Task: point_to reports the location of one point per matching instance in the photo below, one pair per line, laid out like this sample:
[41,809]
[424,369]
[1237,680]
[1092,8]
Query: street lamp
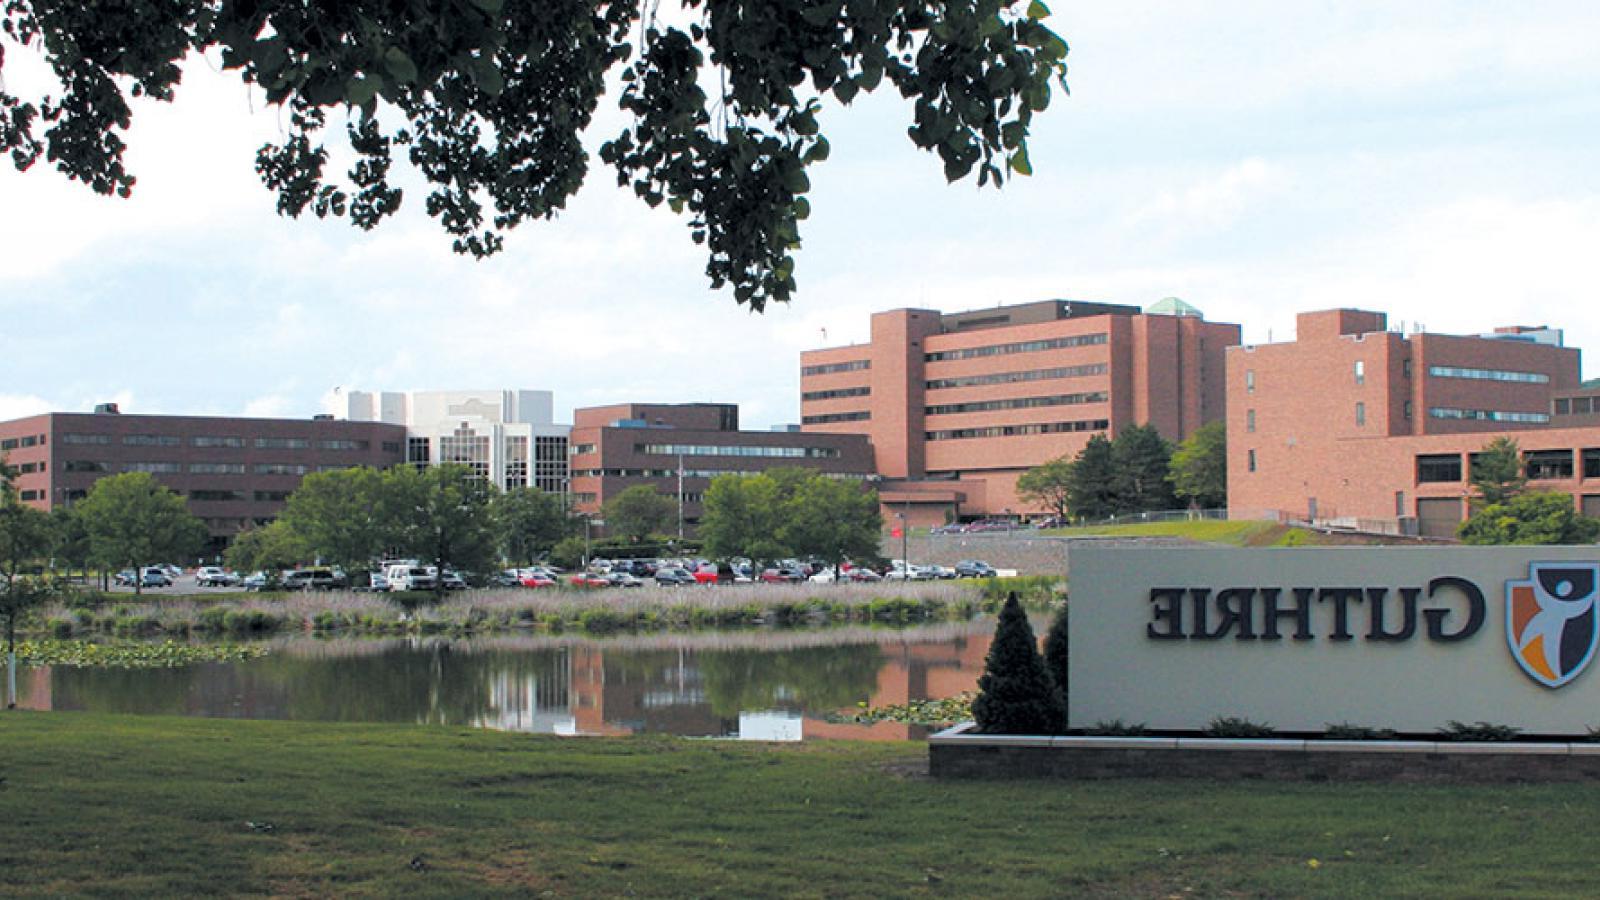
[905,541]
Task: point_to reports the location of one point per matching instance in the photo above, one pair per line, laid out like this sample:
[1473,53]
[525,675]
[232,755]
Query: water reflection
[768,686]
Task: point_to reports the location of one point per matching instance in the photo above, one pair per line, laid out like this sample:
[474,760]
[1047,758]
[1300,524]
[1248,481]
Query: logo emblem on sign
[1551,621]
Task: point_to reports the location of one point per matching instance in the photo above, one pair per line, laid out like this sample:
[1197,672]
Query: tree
[488,101]
[1497,471]
[1535,517]
[1056,653]
[70,540]
[639,512]
[1016,694]
[25,535]
[530,523]
[832,520]
[1199,468]
[1048,485]
[1090,488]
[741,518]
[340,517]
[133,521]
[1143,459]
[270,549]
[444,515]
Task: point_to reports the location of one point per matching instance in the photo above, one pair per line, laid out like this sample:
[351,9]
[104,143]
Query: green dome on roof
[1172,306]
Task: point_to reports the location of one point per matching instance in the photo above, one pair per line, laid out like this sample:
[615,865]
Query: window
[30,495]
[149,440]
[1488,374]
[8,444]
[343,445]
[209,441]
[1434,468]
[159,468]
[1015,377]
[271,496]
[280,469]
[1361,371]
[1407,409]
[836,394]
[1591,462]
[1017,403]
[1563,406]
[735,450]
[86,439]
[1487,415]
[1250,420]
[1405,367]
[835,417]
[1361,413]
[1250,460]
[216,468]
[957,434]
[1081,340]
[209,496]
[854,365]
[1250,381]
[418,451]
[1547,464]
[282,443]
[1399,504]
[85,465]
[582,448]
[391,446]
[550,456]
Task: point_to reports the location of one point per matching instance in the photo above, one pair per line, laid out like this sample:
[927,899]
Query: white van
[410,577]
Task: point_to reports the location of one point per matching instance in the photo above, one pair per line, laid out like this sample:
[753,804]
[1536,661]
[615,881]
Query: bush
[1344,731]
[1478,731]
[1116,728]
[1016,694]
[1231,727]
[1055,653]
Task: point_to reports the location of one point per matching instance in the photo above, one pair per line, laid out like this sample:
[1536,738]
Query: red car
[538,581]
[589,580]
[718,573]
[782,576]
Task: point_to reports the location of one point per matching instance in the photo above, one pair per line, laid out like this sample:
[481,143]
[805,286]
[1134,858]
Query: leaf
[818,151]
[1019,162]
[1037,10]
[400,65]
[358,91]
[845,90]
[492,7]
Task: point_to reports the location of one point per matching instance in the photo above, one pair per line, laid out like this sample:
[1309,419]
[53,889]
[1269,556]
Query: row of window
[854,365]
[691,473]
[30,495]
[726,450]
[1487,415]
[1015,377]
[1488,374]
[1062,343]
[27,440]
[1577,406]
[1017,403]
[214,441]
[1437,468]
[836,394]
[835,417]
[28,468]
[174,468]
[958,434]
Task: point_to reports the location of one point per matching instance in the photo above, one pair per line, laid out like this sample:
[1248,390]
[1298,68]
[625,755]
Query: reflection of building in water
[912,672]
[538,701]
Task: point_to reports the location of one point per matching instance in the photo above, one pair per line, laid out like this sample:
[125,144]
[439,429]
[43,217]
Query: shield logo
[1551,620]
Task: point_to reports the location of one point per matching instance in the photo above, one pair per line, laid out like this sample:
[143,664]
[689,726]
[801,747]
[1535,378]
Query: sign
[1406,638]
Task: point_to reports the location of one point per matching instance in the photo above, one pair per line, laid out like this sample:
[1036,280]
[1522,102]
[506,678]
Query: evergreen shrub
[1016,694]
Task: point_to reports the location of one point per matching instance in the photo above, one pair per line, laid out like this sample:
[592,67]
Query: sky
[1432,160]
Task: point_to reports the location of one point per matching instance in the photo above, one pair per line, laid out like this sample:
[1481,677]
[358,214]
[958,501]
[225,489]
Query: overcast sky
[1433,160]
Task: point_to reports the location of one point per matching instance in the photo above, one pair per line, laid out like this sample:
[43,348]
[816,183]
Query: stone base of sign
[958,753]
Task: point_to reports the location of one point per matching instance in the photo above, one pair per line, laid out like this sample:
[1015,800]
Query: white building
[509,437]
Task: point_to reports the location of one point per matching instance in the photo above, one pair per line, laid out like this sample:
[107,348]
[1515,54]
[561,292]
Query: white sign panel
[1384,637]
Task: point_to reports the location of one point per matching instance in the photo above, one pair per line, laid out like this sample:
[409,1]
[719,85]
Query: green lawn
[110,805]
[1246,533]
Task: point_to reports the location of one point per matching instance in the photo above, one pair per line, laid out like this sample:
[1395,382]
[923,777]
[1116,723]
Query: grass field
[156,806]
[1242,534]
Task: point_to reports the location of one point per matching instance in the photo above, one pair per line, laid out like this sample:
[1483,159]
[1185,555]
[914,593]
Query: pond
[767,685]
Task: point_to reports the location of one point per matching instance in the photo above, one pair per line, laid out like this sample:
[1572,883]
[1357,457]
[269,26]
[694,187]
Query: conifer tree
[1055,653]
[1016,694]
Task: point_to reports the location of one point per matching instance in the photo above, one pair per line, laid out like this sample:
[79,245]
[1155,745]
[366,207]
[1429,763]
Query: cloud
[17,406]
[1212,202]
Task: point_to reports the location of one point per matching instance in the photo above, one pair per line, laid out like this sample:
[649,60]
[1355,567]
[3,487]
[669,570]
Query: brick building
[232,472]
[958,406]
[1353,424]
[619,446]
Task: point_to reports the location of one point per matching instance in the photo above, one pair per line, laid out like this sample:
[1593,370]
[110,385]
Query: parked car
[125,578]
[938,571]
[153,578]
[313,580]
[589,580]
[673,575]
[714,573]
[411,578]
[214,576]
[537,580]
[256,581]
[825,576]
[377,581]
[782,576]
[619,578]
[974,568]
[452,581]
[861,574]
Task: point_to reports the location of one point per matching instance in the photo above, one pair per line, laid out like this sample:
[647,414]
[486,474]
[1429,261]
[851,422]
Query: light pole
[905,542]
[586,543]
[680,498]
